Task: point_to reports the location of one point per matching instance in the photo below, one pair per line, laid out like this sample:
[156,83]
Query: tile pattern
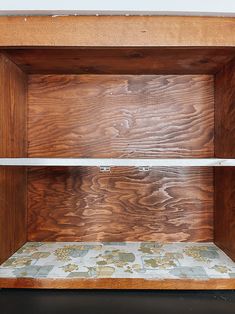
[119,260]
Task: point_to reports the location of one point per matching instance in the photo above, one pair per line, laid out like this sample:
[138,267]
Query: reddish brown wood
[126,116]
[121,60]
[117,283]
[224,112]
[225,210]
[13,106]
[225,148]
[13,187]
[12,210]
[121,116]
[83,204]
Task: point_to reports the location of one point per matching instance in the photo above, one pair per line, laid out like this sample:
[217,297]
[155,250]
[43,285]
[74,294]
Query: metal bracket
[105,169]
[144,168]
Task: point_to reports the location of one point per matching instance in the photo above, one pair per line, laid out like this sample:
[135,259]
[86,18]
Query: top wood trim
[111,31]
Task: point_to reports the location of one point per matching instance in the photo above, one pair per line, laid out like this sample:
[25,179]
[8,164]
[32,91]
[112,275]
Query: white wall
[159,7]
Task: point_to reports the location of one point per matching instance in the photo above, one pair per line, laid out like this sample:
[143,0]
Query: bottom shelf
[129,265]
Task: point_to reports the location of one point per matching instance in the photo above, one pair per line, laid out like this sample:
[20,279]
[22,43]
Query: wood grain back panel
[13,143]
[120,60]
[121,116]
[84,204]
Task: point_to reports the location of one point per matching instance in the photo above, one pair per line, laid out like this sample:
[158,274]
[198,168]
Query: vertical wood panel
[225,209]
[13,188]
[225,112]
[225,148]
[12,210]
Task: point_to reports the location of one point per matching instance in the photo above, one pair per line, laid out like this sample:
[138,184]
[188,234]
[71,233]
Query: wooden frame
[188,38]
[13,128]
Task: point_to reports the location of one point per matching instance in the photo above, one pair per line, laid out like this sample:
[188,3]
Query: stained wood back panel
[120,116]
[13,118]
[120,60]
[84,204]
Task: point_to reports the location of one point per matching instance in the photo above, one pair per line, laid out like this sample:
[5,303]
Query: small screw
[105,169]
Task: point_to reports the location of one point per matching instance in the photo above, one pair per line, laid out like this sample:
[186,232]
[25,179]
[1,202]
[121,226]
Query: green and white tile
[149,260]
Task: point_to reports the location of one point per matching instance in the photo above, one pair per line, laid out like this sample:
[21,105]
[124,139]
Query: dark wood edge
[225,250]
[118,283]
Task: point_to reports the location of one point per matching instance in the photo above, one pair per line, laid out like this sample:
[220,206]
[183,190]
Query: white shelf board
[118,162]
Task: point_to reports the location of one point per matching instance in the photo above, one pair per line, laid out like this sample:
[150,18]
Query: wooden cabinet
[117,152]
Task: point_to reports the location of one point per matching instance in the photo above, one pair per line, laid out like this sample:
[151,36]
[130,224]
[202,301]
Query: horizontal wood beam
[111,31]
[117,283]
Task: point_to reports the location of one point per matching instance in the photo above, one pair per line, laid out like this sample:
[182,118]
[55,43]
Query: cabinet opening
[127,227]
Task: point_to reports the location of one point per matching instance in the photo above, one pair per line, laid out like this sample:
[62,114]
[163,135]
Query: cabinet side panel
[13,188]
[225,112]
[224,218]
[225,148]
[83,204]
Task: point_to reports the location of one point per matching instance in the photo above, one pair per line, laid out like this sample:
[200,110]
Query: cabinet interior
[176,223]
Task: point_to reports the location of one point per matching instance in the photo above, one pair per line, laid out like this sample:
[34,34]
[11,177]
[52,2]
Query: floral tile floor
[118,260]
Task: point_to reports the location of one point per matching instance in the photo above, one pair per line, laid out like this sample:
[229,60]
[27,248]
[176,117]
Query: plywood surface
[83,204]
[147,116]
